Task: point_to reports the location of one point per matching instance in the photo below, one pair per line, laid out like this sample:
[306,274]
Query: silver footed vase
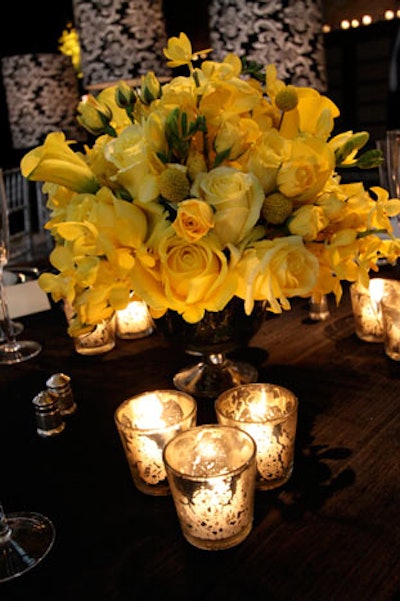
[210,339]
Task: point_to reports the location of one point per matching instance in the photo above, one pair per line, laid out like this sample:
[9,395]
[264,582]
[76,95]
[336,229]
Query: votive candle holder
[134,321]
[390,306]
[146,422]
[367,312]
[211,470]
[269,414]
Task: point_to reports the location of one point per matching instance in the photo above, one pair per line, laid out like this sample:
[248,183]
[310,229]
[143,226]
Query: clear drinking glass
[11,351]
[25,539]
[393,169]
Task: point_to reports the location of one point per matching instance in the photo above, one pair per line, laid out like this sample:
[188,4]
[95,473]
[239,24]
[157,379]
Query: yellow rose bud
[276,208]
[194,219]
[125,97]
[151,88]
[94,116]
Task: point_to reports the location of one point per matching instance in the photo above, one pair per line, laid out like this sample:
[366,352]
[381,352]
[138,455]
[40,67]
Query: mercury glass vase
[210,339]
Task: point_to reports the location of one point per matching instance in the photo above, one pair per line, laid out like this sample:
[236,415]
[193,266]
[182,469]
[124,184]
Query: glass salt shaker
[49,421]
[59,386]
[319,309]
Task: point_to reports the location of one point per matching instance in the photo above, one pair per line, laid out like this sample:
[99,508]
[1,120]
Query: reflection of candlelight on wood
[134,321]
[211,470]
[269,414]
[145,424]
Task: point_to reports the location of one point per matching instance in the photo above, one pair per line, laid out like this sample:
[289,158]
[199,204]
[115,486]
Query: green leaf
[221,156]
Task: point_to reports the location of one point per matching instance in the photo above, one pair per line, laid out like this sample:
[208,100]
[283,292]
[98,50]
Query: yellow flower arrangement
[68,44]
[217,184]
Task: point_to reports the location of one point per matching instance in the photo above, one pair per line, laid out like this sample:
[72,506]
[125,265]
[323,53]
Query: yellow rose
[307,170]
[308,221]
[237,199]
[188,278]
[236,134]
[266,158]
[275,270]
[129,154]
[194,219]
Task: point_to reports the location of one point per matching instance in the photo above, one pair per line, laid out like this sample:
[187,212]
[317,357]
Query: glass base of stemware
[32,536]
[18,328]
[214,374]
[22,350]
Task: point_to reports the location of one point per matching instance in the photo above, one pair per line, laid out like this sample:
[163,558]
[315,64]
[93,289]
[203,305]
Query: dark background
[35,26]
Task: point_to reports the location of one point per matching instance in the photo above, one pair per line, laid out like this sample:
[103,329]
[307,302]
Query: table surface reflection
[331,533]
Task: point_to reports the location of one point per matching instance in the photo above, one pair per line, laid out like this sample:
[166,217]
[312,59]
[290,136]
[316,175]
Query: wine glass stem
[5,530]
[7,323]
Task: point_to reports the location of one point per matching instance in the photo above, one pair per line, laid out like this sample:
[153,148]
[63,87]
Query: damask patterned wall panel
[120,39]
[287,33]
[42,94]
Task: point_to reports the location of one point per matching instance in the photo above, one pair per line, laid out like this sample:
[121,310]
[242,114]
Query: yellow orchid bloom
[179,51]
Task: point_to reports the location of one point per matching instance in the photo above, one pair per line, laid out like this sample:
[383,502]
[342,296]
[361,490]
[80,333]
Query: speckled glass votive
[99,341]
[146,423]
[211,470]
[367,313]
[269,414]
[390,306]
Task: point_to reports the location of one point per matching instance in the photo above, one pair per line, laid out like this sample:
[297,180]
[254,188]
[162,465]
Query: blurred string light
[353,23]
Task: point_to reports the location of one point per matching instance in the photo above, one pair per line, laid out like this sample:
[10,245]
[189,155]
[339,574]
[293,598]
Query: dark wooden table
[332,533]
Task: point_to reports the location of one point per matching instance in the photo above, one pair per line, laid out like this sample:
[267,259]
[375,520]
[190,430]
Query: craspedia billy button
[174,184]
[286,99]
[276,208]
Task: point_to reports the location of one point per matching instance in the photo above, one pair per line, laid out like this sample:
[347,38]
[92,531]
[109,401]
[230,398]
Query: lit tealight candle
[367,313]
[211,470]
[134,321]
[269,414]
[391,320]
[145,423]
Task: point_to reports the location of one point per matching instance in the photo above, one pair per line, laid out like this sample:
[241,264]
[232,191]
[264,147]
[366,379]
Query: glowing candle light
[390,306]
[269,414]
[367,313]
[99,341]
[145,423]
[134,321]
[211,470]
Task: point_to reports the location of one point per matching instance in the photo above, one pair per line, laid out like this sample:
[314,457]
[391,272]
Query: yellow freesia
[56,162]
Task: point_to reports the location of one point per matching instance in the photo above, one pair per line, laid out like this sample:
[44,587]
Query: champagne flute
[393,169]
[11,351]
[25,539]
